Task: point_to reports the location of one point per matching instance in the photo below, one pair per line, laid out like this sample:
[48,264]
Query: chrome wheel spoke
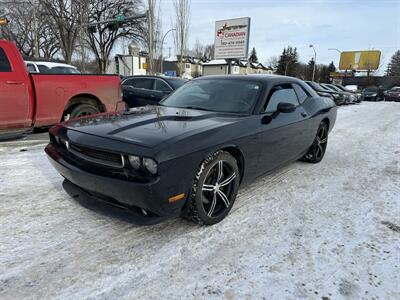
[220,170]
[207,188]
[223,197]
[212,207]
[228,180]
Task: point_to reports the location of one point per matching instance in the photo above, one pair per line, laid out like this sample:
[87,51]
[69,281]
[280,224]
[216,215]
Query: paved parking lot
[325,231]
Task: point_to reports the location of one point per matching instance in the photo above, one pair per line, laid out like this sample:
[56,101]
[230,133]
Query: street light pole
[162,45]
[315,61]
[335,49]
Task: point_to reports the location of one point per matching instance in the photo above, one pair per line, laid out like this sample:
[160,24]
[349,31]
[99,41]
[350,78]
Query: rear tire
[82,110]
[317,150]
[214,189]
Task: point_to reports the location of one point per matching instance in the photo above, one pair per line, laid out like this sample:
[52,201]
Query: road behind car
[305,231]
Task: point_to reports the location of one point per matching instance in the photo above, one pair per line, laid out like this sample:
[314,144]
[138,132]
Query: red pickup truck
[40,100]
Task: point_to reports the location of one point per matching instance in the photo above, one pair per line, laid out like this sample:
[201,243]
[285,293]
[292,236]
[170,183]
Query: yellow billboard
[360,60]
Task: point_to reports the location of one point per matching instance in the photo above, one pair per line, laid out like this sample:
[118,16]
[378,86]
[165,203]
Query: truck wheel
[83,110]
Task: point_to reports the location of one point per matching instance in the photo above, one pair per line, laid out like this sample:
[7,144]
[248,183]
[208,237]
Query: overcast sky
[346,25]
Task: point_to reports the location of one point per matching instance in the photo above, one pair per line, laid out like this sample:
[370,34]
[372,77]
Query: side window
[31,68]
[129,82]
[143,83]
[281,93]
[4,63]
[161,86]
[44,69]
[301,93]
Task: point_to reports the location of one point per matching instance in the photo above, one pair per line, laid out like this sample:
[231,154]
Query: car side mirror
[285,107]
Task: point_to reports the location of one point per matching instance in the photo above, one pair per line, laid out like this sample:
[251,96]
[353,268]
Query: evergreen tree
[394,65]
[332,67]
[253,56]
[288,62]
[324,73]
[310,69]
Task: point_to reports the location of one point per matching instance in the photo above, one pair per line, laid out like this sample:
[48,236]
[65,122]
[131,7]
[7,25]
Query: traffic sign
[120,18]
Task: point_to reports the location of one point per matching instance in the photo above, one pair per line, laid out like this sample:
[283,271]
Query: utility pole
[315,61]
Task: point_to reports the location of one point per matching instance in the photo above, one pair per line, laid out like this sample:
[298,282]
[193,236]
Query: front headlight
[150,165]
[138,162]
[134,161]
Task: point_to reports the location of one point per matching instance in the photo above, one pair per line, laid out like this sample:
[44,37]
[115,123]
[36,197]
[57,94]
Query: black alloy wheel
[317,150]
[214,190]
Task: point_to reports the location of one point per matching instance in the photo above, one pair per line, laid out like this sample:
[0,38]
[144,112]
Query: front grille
[96,156]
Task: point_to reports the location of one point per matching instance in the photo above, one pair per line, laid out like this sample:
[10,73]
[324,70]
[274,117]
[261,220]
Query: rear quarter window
[5,65]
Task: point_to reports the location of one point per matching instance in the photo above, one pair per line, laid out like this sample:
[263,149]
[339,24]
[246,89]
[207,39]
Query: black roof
[258,77]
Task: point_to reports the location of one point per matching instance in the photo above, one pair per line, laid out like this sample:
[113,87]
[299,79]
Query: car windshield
[221,95]
[177,83]
[395,89]
[371,89]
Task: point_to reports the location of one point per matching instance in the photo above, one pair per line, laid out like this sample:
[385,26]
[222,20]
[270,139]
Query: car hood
[151,125]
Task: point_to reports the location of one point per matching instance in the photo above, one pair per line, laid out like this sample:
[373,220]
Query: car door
[282,133]
[138,91]
[161,89]
[143,91]
[128,91]
[14,96]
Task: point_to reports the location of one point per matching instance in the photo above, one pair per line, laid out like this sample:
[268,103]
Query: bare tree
[103,37]
[65,16]
[182,24]
[29,28]
[273,62]
[208,52]
[154,34]
[198,49]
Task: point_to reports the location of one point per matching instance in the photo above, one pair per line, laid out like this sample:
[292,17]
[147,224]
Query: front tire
[317,150]
[214,189]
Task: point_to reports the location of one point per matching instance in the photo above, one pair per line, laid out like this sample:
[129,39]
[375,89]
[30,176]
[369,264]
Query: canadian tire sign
[232,38]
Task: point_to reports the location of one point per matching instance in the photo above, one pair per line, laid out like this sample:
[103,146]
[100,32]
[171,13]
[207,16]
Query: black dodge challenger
[189,155]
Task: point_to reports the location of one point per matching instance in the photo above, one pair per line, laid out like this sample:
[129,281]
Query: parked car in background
[29,100]
[346,95]
[189,156]
[143,90]
[349,96]
[352,88]
[325,92]
[356,96]
[372,93]
[50,67]
[393,94]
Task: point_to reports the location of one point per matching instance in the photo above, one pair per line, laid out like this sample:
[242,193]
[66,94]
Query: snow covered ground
[325,231]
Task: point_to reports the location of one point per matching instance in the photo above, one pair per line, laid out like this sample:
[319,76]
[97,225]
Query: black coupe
[188,155]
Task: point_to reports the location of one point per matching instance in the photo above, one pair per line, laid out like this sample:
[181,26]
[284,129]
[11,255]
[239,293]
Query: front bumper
[150,196]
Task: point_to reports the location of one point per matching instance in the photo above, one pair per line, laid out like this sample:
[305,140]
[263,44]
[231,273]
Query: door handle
[14,82]
[152,96]
[303,114]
